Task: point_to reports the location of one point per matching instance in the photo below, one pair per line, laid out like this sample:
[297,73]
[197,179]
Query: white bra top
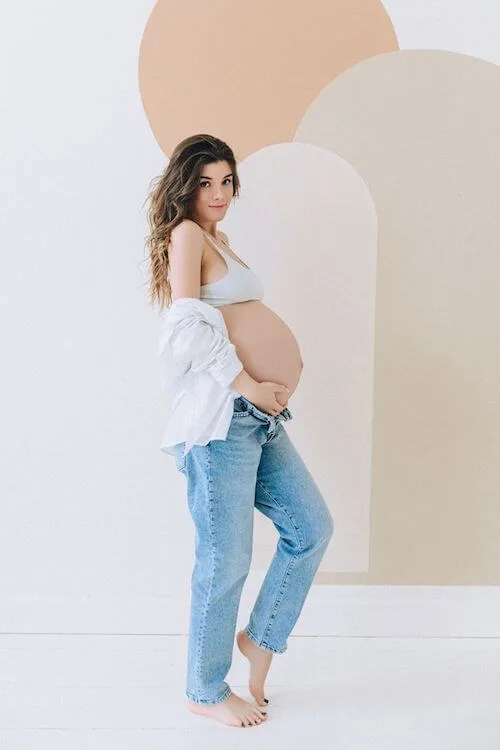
[239,284]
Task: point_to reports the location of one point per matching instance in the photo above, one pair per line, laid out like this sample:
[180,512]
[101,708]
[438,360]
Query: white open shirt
[198,362]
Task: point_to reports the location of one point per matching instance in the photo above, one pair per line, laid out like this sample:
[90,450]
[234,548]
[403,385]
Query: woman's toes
[258,694]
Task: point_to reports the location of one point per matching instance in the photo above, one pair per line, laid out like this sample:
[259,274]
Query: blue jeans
[256,466]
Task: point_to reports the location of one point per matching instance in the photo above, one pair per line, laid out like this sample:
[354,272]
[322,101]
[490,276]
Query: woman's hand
[263,395]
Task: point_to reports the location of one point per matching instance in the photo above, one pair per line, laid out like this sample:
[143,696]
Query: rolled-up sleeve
[192,341]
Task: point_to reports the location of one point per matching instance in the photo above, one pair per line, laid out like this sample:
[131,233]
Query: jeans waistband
[284,415]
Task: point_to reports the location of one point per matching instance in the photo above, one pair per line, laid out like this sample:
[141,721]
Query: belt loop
[272,428]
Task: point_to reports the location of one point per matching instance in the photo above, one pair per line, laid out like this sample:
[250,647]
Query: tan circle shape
[422,128]
[246,72]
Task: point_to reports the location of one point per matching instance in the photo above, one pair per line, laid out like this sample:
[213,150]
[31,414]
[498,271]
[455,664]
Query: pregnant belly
[264,343]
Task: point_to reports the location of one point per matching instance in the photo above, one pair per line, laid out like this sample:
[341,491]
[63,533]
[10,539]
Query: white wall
[87,496]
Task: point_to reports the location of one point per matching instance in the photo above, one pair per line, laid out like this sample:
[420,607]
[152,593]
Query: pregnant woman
[232,365]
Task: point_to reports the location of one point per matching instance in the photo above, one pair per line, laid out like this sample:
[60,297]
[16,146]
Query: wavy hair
[170,201]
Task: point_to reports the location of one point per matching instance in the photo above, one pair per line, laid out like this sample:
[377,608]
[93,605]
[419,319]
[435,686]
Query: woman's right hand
[263,395]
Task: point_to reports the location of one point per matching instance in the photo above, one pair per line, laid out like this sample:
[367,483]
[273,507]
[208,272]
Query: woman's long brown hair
[170,200]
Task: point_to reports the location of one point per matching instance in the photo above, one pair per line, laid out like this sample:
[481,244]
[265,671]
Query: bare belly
[264,343]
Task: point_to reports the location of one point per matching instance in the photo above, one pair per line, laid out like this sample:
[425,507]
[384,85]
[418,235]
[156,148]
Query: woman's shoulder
[186,227]
[185,236]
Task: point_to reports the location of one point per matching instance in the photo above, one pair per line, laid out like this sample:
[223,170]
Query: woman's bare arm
[185,256]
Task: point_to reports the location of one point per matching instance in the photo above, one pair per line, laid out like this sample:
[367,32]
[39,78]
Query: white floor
[102,692]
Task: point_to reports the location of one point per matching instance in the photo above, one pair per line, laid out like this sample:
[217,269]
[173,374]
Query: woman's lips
[218,206]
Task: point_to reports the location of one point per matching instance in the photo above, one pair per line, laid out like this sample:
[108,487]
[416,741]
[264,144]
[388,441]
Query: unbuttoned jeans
[256,466]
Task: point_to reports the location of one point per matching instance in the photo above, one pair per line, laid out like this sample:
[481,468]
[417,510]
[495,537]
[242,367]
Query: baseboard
[344,611]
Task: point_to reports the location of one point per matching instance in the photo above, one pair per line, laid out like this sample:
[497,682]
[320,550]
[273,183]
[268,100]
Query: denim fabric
[256,466]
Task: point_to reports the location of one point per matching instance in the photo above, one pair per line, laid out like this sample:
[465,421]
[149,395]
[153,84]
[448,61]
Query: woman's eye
[203,184]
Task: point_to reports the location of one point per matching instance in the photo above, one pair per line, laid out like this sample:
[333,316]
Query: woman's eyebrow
[205,177]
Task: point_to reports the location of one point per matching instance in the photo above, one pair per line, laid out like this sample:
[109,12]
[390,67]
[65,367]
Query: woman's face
[214,194]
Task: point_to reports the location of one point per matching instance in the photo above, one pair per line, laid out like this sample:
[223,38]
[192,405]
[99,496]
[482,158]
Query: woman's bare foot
[260,661]
[233,711]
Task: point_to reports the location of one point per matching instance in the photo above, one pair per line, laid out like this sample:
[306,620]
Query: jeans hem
[194,699]
[264,645]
